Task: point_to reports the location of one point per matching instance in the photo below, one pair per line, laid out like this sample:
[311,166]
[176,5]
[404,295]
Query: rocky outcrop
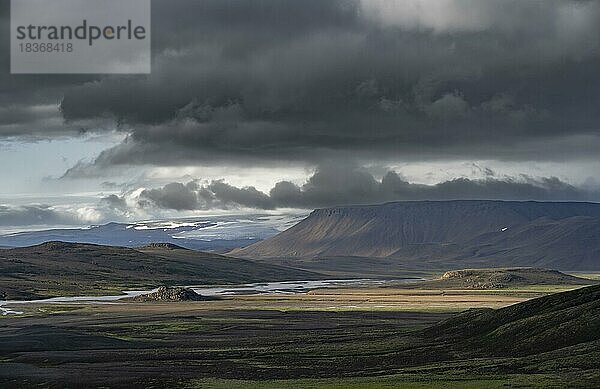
[478,279]
[165,294]
[504,278]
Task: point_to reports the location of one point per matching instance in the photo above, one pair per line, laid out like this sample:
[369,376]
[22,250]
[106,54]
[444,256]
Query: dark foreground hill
[555,322]
[447,234]
[58,268]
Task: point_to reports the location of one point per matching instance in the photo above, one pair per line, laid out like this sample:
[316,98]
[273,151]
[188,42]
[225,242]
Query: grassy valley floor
[362,337]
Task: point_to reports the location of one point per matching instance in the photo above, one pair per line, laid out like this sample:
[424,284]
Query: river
[281,287]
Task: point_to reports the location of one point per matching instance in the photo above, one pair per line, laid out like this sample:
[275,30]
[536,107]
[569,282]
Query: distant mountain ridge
[219,233]
[561,235]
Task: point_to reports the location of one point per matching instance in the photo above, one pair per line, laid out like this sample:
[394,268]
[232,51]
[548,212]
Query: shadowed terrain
[532,327]
[548,341]
[58,268]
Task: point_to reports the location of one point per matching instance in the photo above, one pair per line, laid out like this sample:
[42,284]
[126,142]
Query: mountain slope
[535,326]
[58,268]
[457,233]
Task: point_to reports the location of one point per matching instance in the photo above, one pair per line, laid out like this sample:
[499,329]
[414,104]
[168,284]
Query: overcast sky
[277,104]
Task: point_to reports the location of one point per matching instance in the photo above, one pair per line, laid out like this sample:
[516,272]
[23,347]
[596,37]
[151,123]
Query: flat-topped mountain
[562,235]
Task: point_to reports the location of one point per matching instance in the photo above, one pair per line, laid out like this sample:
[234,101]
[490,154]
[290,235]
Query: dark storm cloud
[114,202]
[333,185]
[262,80]
[192,196]
[338,185]
[29,104]
[247,197]
[174,196]
[267,80]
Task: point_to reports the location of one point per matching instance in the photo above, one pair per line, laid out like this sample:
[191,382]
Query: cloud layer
[257,81]
[330,185]
[336,84]
[333,185]
[46,215]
